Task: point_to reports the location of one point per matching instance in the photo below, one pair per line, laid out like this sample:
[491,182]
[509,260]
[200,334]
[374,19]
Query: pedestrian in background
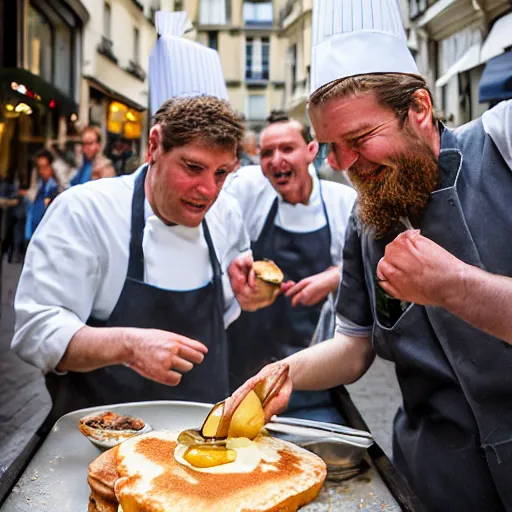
[249,149]
[42,193]
[94,165]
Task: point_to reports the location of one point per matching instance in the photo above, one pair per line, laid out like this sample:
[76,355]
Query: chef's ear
[421,110]
[312,150]
[155,148]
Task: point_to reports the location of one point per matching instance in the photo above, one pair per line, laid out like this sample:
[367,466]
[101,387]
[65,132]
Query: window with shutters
[257,58]
[257,13]
[214,12]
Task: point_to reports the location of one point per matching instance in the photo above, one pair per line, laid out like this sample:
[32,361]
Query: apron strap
[325,212]
[217,270]
[269,222]
[138,221]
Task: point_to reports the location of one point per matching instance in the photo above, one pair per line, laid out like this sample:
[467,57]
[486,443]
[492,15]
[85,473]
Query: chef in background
[125,293]
[299,222]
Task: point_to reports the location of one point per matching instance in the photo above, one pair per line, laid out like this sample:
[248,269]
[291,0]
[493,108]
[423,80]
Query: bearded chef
[299,222]
[437,299]
[125,294]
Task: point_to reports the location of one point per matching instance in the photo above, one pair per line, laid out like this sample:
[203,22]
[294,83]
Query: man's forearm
[483,300]
[341,360]
[96,347]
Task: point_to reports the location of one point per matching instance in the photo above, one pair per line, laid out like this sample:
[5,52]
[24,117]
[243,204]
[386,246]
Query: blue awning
[496,81]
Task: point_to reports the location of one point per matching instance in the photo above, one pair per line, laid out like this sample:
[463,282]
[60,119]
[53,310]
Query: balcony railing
[258,24]
[256,76]
[136,70]
[106,48]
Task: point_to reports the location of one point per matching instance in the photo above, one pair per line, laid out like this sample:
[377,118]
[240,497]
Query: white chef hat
[179,67]
[355,37]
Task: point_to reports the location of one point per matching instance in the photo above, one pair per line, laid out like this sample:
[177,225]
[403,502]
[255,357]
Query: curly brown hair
[393,90]
[204,118]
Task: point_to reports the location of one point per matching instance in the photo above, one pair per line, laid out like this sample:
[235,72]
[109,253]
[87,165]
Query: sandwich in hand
[269,279]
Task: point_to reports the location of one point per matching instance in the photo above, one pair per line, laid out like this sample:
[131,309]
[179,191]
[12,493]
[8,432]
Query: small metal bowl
[107,429]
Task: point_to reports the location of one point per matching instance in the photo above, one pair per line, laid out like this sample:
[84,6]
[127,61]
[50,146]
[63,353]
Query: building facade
[454,41]
[114,87]
[294,23]
[244,33]
[40,56]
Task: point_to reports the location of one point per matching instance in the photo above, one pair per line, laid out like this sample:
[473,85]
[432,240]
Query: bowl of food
[106,429]
[269,279]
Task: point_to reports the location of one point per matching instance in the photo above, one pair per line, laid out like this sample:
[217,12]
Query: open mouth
[282,177]
[195,206]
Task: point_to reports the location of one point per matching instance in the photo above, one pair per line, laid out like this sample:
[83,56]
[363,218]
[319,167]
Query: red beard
[400,191]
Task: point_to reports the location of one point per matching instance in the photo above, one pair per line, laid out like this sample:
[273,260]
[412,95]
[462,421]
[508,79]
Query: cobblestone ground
[24,401]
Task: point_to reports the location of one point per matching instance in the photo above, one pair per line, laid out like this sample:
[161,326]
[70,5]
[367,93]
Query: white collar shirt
[256,195]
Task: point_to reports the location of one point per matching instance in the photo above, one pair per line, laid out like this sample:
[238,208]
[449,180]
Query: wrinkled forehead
[346,116]
[281,133]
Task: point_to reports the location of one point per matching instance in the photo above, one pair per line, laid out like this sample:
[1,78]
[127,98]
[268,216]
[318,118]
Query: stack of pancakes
[148,474]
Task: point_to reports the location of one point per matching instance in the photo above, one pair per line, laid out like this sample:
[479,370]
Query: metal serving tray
[56,478]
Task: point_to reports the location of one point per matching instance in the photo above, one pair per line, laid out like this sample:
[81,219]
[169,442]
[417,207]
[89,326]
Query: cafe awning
[114,95]
[496,81]
[469,60]
[499,38]
[46,93]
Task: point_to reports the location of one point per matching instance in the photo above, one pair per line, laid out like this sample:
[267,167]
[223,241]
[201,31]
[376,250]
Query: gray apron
[197,314]
[273,333]
[453,435]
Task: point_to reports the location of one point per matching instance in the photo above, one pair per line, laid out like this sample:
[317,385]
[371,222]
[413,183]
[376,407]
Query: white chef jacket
[256,195]
[77,261]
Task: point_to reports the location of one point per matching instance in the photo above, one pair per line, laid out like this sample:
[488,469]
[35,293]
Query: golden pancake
[148,473]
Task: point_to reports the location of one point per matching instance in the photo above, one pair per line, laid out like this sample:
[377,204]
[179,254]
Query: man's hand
[416,269]
[163,356]
[280,401]
[313,289]
[158,355]
[243,282]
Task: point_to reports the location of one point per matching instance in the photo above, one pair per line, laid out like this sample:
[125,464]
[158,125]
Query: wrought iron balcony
[136,70]
[106,48]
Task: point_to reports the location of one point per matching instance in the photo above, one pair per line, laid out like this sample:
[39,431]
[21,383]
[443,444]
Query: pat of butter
[248,456]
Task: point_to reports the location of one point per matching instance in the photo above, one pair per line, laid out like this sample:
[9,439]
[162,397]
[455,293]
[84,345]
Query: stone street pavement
[24,401]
